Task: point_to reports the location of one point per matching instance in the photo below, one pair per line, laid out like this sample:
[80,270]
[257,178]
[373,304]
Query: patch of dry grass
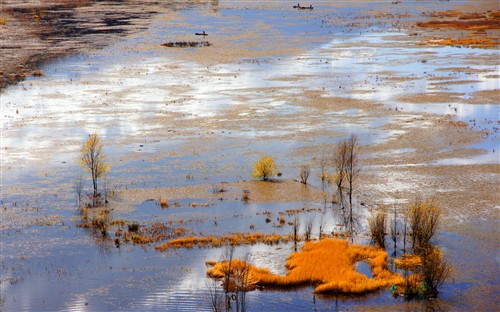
[474,42]
[328,264]
[218,241]
[408,262]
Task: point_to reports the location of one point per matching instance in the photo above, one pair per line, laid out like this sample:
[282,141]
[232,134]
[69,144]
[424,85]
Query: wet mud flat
[33,33]
[177,123]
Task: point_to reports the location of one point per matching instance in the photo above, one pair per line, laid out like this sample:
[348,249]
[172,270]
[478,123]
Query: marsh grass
[329,265]
[235,239]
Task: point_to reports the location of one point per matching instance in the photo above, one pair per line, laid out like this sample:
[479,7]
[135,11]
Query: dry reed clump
[218,241]
[246,277]
[473,42]
[377,228]
[408,262]
[476,23]
[164,202]
[467,25]
[430,270]
[328,264]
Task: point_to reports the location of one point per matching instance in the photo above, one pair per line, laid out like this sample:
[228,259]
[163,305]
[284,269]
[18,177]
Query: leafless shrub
[246,196]
[339,161]
[321,227]
[435,270]
[309,225]
[377,228]
[216,298]
[305,171]
[323,167]
[424,222]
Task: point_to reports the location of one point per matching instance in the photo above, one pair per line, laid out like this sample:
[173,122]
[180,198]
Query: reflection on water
[113,90]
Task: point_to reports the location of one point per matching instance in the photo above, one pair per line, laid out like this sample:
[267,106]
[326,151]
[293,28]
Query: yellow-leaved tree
[93,160]
[264,168]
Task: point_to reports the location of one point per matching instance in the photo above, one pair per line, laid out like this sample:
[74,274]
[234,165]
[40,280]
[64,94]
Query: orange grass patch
[408,262]
[328,264]
[218,241]
[486,23]
[473,42]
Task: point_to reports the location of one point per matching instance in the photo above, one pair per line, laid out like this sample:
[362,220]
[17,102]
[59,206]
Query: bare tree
[244,283]
[340,160]
[406,216]
[351,171]
[228,256]
[394,231]
[296,226]
[216,300]
[309,225]
[79,181]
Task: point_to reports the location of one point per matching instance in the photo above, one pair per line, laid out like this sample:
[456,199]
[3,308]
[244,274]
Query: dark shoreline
[34,34]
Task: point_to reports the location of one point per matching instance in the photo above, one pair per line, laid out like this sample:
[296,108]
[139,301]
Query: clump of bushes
[430,269]
[305,171]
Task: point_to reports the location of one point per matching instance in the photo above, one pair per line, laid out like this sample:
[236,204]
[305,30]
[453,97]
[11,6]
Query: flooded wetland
[187,98]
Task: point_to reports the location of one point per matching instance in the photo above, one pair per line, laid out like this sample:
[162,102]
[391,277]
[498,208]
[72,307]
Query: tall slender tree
[93,159]
[351,171]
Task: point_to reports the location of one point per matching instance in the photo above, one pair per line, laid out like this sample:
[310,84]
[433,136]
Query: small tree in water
[94,160]
[264,168]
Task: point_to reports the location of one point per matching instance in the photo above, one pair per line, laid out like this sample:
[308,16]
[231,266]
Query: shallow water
[61,267]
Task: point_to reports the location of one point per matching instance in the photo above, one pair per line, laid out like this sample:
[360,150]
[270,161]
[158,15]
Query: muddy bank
[35,32]
[39,31]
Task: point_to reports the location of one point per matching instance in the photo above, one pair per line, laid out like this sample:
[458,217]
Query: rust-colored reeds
[329,265]
[218,241]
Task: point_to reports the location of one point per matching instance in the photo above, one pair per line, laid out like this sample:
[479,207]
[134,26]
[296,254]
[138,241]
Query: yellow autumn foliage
[328,264]
[93,159]
[264,168]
